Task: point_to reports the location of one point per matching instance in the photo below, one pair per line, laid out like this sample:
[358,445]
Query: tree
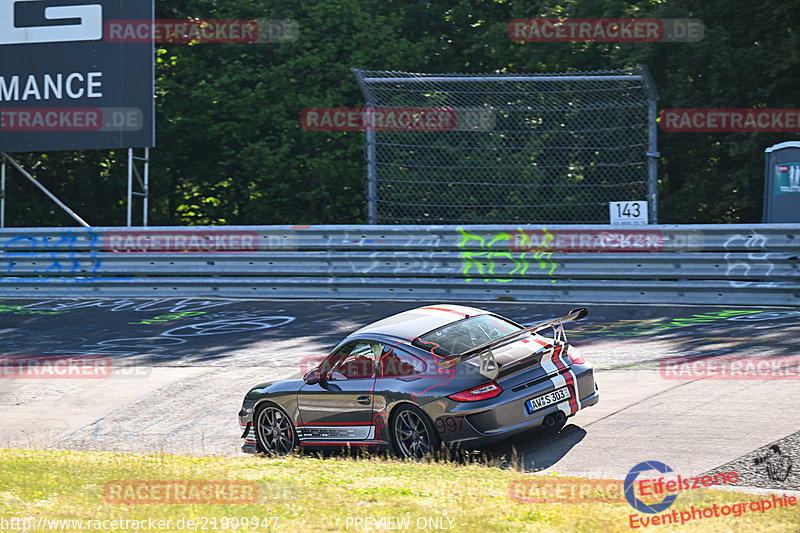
[230,148]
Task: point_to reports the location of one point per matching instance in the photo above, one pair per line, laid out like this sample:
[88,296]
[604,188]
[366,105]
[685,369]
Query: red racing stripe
[322,425]
[445,310]
[556,358]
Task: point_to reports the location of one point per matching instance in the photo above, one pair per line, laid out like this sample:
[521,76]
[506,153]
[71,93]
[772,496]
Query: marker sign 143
[628,212]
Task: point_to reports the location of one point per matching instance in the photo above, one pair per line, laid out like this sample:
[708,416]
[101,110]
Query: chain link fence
[551,148]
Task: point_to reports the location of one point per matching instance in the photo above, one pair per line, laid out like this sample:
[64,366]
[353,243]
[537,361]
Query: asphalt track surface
[181,367]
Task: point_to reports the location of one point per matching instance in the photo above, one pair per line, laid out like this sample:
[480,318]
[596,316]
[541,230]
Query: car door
[339,407]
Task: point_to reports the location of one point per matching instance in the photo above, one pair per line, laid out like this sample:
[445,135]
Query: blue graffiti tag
[59,256]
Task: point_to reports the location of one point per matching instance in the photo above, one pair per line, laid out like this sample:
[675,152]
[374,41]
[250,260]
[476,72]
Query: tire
[275,433]
[413,434]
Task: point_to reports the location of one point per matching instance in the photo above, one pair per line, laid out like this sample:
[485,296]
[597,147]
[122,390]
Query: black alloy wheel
[274,431]
[413,435]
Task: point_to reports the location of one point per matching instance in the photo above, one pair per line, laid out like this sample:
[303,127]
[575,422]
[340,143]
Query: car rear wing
[489,367]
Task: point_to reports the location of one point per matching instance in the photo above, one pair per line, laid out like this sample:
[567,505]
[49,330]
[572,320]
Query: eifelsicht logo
[636,503]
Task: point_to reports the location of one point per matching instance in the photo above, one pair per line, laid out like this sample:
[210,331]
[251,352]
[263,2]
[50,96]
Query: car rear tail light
[481,392]
[575,356]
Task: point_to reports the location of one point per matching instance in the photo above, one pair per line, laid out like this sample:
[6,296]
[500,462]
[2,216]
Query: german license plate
[558,395]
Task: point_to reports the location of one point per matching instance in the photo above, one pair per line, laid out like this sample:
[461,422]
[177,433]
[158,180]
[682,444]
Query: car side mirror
[312,377]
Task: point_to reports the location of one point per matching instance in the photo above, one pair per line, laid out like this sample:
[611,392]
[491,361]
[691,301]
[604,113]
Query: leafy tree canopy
[230,149]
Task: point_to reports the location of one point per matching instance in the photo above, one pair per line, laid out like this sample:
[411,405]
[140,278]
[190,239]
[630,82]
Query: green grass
[314,494]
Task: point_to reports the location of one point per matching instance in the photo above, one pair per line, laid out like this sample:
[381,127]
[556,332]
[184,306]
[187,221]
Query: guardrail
[692,264]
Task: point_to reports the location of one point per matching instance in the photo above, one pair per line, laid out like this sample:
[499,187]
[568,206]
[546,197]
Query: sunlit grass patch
[306,493]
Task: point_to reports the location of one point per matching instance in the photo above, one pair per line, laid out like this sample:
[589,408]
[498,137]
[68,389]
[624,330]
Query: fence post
[372,176]
[652,144]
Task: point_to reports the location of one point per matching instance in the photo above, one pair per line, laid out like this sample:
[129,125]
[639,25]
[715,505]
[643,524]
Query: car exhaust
[554,418]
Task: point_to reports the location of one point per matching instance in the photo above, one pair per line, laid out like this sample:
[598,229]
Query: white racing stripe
[559,380]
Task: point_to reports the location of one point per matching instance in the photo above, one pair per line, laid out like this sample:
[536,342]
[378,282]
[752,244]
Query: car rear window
[458,337]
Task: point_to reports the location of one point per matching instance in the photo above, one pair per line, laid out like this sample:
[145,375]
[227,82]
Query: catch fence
[546,148]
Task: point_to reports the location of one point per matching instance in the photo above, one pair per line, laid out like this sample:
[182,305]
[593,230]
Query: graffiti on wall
[484,263]
[749,265]
[31,254]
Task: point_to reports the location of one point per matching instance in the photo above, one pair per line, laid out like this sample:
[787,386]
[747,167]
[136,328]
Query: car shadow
[537,450]
[530,452]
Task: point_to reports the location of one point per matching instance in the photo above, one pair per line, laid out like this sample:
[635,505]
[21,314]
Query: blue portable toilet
[782,183]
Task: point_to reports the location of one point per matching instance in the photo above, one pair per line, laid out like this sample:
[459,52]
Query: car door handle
[364,400]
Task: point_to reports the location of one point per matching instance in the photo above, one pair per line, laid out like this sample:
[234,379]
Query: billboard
[65,86]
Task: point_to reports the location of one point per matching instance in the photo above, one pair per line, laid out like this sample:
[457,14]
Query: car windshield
[458,337]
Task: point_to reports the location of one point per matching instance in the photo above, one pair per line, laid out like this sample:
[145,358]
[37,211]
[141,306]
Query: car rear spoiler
[488,365]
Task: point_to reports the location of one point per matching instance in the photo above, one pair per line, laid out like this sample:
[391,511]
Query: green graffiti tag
[171,316]
[633,328]
[484,262]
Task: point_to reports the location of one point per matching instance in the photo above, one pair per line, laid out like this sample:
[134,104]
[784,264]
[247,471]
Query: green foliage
[230,149]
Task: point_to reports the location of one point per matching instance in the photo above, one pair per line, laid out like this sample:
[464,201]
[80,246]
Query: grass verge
[314,494]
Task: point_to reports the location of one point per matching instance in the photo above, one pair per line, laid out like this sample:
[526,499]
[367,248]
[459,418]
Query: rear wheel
[274,431]
[413,434]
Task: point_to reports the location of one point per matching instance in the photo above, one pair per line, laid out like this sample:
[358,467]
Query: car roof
[415,322]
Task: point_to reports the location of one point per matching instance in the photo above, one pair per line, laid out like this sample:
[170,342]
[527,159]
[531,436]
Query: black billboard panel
[65,86]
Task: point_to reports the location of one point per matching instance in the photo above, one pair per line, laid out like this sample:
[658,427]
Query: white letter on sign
[89,29]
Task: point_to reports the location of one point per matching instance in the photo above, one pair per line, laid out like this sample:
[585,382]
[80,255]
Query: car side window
[396,362]
[354,360]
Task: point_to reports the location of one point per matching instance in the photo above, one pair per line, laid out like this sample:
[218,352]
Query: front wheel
[412,433]
[274,431]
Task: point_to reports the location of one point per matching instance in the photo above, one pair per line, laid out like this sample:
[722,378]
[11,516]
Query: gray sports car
[437,374]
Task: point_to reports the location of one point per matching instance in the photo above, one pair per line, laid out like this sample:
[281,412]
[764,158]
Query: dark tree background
[230,149]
